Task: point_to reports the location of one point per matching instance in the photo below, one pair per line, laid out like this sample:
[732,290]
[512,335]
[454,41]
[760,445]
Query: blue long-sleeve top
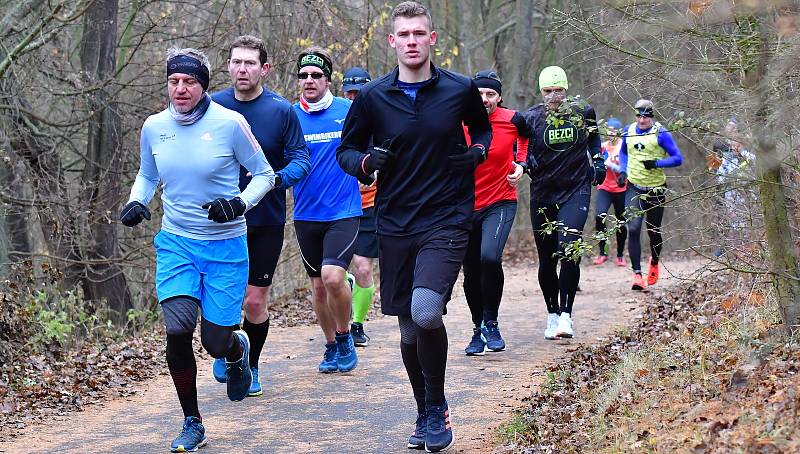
[674,157]
[196,164]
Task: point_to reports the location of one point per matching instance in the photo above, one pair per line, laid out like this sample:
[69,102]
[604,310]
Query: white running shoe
[564,328]
[552,325]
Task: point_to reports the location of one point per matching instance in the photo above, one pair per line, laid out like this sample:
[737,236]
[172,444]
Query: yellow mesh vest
[643,147]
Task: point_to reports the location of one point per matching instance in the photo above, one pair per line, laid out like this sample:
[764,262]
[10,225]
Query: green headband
[318,60]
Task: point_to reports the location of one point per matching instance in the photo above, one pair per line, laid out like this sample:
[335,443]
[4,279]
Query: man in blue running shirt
[327,206]
[195,149]
[275,126]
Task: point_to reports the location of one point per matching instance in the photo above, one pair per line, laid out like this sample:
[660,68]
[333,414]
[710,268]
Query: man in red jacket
[495,206]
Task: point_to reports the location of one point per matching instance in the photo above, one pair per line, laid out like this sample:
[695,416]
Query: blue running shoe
[494,341]
[348,358]
[192,436]
[477,346]
[417,438]
[255,385]
[238,373]
[329,363]
[440,435]
[219,370]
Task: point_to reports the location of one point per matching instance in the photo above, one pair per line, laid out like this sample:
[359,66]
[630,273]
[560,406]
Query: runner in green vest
[647,149]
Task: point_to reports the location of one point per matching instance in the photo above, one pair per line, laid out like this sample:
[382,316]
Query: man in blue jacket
[424,202]
[277,129]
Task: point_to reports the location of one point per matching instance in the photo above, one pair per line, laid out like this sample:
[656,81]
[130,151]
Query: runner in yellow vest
[647,148]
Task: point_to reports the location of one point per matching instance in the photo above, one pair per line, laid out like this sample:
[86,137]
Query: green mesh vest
[643,147]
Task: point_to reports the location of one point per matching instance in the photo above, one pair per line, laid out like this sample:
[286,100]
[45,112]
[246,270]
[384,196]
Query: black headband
[186,64]
[316,59]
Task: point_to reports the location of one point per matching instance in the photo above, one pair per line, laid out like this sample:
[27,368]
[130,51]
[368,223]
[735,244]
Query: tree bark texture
[102,177]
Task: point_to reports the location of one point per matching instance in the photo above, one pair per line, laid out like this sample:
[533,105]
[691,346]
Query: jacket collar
[396,74]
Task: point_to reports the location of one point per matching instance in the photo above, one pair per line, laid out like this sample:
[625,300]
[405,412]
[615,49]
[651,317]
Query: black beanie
[488,79]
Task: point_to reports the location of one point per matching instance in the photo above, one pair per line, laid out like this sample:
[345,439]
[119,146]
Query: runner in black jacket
[563,144]
[424,202]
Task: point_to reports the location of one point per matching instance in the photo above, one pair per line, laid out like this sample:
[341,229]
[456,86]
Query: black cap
[488,79]
[354,78]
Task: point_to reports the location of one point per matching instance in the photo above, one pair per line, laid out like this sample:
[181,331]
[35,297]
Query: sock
[258,335]
[183,370]
[414,371]
[362,300]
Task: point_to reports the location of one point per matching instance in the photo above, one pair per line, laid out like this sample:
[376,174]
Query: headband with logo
[186,64]
[318,60]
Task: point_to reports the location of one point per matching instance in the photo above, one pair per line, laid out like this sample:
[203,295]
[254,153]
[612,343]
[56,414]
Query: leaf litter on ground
[705,369]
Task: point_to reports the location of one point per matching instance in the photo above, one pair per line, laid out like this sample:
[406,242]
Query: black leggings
[651,204]
[603,202]
[569,218]
[180,318]
[483,262]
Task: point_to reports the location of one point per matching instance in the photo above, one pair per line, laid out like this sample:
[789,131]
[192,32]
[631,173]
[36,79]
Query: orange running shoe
[601,259]
[652,273]
[638,282]
[620,261]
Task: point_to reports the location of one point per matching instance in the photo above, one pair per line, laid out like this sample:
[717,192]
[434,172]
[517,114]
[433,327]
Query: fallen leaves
[33,388]
[675,383]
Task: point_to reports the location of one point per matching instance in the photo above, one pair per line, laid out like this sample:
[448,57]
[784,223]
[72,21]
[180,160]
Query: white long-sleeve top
[196,164]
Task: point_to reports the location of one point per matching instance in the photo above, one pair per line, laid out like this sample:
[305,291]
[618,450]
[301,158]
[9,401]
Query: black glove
[278,181]
[378,159]
[599,172]
[468,160]
[133,213]
[221,210]
[649,164]
[621,179]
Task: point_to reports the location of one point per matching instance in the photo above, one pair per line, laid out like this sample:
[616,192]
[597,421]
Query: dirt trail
[370,409]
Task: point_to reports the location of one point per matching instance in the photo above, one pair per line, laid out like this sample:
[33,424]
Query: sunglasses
[355,80]
[644,115]
[315,76]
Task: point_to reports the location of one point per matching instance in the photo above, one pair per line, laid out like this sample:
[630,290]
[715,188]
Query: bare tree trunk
[32,145]
[517,95]
[102,177]
[782,253]
[774,204]
[15,215]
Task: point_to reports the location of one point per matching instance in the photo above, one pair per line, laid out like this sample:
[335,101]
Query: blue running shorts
[212,271]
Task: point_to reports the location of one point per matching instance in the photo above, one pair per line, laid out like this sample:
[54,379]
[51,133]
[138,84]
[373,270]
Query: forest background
[78,78]
[77,303]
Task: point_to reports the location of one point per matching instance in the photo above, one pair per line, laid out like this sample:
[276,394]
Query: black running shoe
[238,374]
[360,338]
